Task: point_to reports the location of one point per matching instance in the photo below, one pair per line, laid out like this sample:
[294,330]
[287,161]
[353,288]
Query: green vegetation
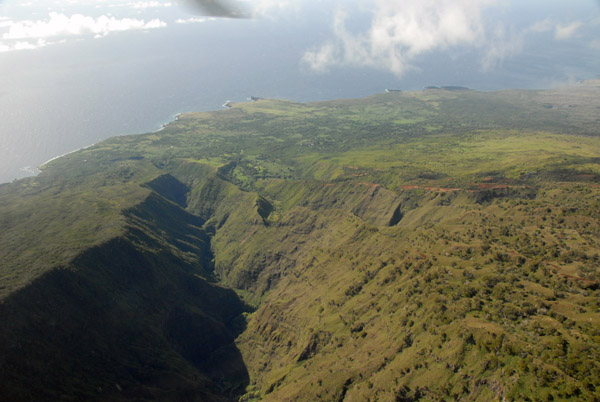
[436,246]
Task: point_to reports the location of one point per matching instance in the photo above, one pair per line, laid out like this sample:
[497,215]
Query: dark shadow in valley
[122,322]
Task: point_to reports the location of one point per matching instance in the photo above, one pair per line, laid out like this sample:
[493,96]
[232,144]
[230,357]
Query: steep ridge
[170,188]
[444,304]
[245,224]
[437,308]
[133,318]
[371,202]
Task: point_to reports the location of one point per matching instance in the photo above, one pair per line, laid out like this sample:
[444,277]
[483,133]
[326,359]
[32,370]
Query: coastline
[65,154]
[174,118]
[32,171]
[35,169]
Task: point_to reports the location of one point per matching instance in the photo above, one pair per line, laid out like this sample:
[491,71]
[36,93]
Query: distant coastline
[33,171]
[65,154]
[173,119]
[37,170]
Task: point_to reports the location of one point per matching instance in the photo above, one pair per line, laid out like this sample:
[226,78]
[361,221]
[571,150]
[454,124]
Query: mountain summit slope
[434,245]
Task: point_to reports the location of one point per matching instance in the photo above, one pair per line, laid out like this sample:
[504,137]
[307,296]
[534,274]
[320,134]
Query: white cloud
[567,31]
[322,59]
[29,45]
[503,43]
[542,26]
[266,8]
[150,4]
[402,31]
[142,5]
[23,45]
[561,31]
[77,24]
[193,20]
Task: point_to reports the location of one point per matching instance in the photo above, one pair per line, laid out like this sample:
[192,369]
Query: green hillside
[439,245]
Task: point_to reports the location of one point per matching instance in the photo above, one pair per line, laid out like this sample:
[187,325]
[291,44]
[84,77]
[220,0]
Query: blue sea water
[60,98]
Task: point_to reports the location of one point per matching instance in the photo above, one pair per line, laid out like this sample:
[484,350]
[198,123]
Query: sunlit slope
[434,245]
[460,299]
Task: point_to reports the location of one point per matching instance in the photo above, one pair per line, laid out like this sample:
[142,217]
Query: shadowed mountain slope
[135,317]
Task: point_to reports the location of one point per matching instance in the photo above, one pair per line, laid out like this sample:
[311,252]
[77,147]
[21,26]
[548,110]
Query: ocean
[60,98]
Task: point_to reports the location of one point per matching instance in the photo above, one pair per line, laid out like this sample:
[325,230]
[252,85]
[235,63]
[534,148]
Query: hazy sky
[390,35]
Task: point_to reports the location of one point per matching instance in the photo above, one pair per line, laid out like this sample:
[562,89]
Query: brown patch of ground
[486,186]
[441,189]
[438,189]
[250,232]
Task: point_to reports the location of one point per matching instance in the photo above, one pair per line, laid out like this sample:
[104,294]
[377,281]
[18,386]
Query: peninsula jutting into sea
[435,245]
